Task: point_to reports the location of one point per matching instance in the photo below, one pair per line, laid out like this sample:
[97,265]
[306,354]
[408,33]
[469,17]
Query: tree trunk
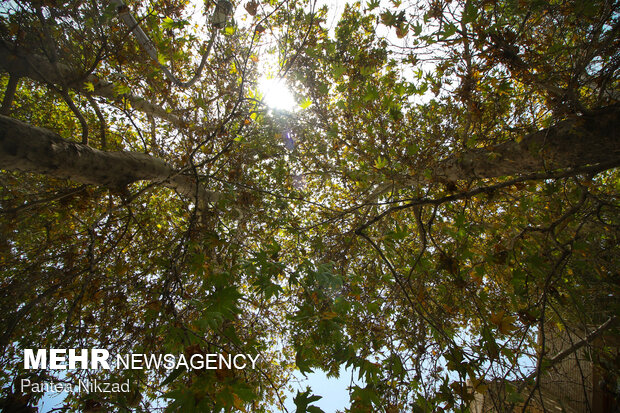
[575,142]
[30,149]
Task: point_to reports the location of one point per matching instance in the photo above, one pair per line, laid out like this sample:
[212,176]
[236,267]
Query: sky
[335,395]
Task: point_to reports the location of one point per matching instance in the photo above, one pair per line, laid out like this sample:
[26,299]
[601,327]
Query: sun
[277,95]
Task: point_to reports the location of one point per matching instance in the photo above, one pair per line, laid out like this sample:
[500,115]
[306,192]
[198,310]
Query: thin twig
[102,126]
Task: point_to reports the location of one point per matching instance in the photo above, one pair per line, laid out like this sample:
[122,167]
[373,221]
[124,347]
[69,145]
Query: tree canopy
[440,203]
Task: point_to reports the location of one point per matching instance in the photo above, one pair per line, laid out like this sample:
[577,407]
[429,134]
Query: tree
[445,202]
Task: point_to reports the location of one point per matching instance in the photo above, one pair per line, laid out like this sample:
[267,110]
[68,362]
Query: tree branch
[574,142]
[588,339]
[132,24]
[9,94]
[102,125]
[19,62]
[414,202]
[77,113]
[30,149]
[611,321]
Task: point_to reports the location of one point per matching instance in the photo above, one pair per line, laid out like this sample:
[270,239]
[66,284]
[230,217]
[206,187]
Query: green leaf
[172,376]
[372,4]
[338,70]
[303,400]
[371,93]
[388,18]
[121,89]
[244,392]
[303,362]
[449,30]
[417,29]
[470,12]
[167,23]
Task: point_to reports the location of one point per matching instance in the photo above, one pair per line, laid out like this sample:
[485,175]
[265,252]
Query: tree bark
[580,141]
[575,142]
[9,95]
[31,149]
[19,62]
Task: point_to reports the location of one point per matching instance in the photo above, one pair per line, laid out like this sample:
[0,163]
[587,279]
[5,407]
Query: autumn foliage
[438,211]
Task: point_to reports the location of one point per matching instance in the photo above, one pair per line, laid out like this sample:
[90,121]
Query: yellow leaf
[329,315]
[496,318]
[505,324]
[238,403]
